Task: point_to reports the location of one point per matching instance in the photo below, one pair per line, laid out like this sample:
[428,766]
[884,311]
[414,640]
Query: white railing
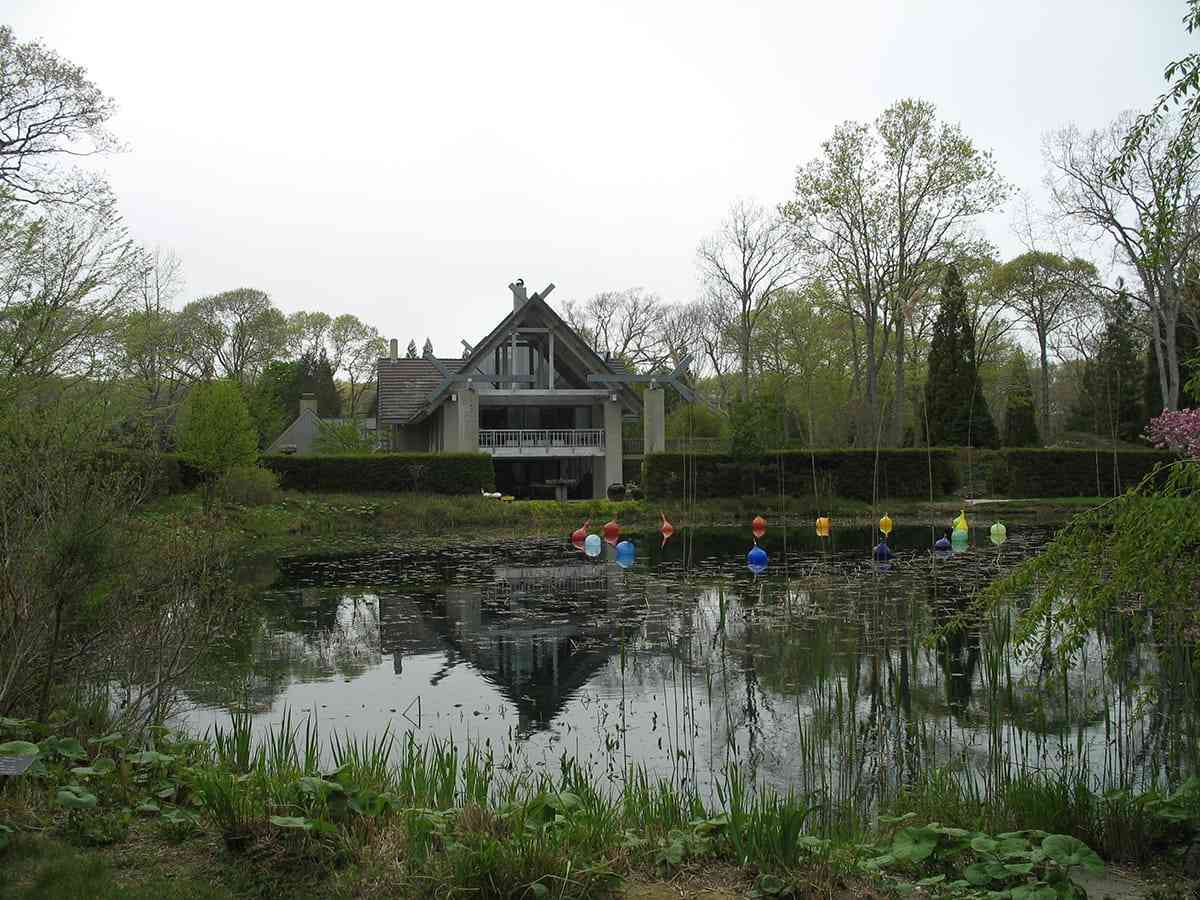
[541,438]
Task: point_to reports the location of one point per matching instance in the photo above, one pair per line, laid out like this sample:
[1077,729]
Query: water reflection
[820,675]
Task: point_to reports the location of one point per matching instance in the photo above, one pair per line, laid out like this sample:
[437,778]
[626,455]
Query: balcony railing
[545,440]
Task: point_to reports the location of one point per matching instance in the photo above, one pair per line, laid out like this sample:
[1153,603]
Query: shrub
[248,486]
[435,473]
[1074,473]
[846,473]
[215,431]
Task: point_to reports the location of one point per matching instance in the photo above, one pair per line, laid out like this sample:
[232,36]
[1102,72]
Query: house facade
[300,437]
[532,394]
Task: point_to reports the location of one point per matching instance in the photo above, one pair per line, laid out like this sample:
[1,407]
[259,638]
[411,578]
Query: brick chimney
[308,401]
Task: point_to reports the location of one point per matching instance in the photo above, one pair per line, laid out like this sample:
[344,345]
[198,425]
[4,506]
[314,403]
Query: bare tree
[745,265]
[1145,211]
[49,110]
[354,349]
[627,324]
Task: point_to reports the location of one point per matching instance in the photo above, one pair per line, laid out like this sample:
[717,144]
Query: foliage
[1020,421]
[1134,556]
[844,473]
[248,486]
[442,473]
[755,427]
[234,334]
[695,420]
[1109,400]
[215,431]
[956,412]
[1178,431]
[344,437]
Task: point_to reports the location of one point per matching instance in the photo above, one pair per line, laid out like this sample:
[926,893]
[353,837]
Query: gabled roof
[534,305]
[405,386]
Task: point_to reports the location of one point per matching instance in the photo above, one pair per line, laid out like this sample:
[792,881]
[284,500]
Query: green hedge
[430,473]
[1071,473]
[844,473]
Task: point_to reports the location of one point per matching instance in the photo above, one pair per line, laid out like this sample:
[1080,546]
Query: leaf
[150,758]
[539,890]
[72,796]
[931,880]
[104,765]
[1068,852]
[914,844]
[108,739]
[148,808]
[977,873]
[19,748]
[984,845]
[298,823]
[896,820]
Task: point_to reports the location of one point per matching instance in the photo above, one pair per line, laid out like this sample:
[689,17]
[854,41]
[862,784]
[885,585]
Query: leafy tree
[215,431]
[756,426]
[1045,291]
[355,348]
[235,334]
[955,408]
[1020,419]
[695,420]
[344,437]
[880,204]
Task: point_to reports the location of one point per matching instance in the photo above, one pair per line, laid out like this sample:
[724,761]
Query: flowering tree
[1177,430]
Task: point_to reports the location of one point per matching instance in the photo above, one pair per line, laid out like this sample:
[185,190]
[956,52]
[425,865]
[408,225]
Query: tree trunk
[1045,365]
[899,403]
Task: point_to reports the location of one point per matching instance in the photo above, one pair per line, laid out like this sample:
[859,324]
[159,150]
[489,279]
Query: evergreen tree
[1110,400]
[955,407]
[411,352]
[1020,419]
[427,350]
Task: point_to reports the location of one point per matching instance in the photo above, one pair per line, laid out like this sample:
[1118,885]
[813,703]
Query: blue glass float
[626,554]
[756,560]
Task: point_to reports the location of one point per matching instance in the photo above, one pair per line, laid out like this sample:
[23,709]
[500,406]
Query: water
[819,675]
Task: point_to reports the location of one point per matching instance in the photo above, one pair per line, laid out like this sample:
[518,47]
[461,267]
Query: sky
[405,161]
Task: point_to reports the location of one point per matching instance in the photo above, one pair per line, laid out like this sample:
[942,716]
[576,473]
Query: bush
[433,473]
[845,473]
[248,486]
[1073,473]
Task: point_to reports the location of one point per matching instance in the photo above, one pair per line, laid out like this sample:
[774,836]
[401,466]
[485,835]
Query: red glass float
[580,535]
[612,531]
[666,529]
[759,526]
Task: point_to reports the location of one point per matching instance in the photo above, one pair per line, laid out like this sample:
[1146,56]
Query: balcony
[546,443]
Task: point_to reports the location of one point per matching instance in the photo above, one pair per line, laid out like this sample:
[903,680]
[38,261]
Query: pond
[819,675]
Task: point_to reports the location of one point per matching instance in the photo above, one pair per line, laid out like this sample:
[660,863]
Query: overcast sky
[405,161]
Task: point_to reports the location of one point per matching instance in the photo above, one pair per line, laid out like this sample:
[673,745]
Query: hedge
[1071,473]
[432,473]
[844,473]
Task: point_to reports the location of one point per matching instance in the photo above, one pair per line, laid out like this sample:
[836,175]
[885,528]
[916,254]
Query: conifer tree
[955,408]
[1020,419]
[411,352]
[427,350]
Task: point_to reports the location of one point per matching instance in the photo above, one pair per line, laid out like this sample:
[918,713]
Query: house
[532,393]
[301,436]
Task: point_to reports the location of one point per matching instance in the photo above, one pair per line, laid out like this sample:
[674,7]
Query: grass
[298,522]
[394,817]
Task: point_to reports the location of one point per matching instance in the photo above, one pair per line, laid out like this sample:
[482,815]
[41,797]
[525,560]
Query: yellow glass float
[885,524]
[823,526]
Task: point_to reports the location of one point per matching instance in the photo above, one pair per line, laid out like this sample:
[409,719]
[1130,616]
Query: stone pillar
[608,468]
[654,421]
[450,426]
[468,420]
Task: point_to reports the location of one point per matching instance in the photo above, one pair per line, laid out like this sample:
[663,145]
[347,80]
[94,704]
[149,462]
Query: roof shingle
[405,385]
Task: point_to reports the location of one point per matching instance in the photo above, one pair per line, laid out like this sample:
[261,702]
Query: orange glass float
[823,526]
[759,526]
[579,535]
[612,531]
[666,529]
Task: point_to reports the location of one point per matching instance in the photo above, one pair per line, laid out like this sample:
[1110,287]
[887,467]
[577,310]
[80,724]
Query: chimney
[395,347]
[518,292]
[308,401]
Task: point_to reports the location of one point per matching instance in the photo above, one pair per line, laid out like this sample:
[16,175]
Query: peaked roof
[499,334]
[405,386]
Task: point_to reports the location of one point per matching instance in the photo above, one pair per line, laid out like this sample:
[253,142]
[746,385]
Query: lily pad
[72,796]
[19,748]
[1068,852]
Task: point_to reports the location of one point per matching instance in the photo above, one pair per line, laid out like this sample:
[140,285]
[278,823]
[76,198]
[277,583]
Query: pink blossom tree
[1177,430]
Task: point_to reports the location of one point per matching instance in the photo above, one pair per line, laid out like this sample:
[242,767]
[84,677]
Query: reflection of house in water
[537,633]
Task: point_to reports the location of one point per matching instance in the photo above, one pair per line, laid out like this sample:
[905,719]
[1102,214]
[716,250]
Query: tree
[956,413]
[235,334]
[879,205]
[65,277]
[355,348]
[629,324]
[49,110]
[215,430]
[744,266]
[307,332]
[427,349]
[1020,420]
[1045,291]
[411,352]
[1110,402]
[1147,212]
[1187,345]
